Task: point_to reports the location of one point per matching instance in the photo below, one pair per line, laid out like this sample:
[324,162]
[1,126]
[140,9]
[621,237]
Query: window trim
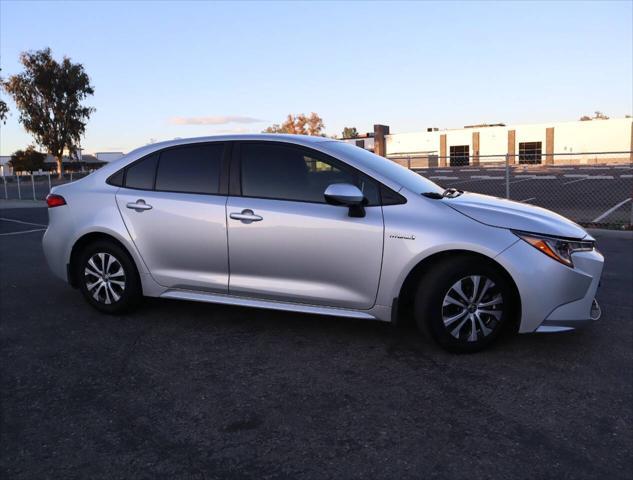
[223,180]
[235,184]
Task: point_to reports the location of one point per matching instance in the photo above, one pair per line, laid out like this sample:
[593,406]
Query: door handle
[246,216]
[139,205]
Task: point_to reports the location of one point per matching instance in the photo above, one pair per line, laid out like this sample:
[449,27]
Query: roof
[306,140]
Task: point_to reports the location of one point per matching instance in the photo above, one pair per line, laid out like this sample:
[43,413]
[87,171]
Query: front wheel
[108,278]
[464,304]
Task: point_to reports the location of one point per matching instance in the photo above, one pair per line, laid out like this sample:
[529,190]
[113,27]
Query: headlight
[560,249]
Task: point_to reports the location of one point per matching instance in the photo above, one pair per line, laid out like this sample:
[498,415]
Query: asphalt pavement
[199,391]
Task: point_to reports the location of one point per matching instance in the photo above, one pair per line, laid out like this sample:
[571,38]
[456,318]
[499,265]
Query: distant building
[365,141]
[599,141]
[5,168]
[87,162]
[107,157]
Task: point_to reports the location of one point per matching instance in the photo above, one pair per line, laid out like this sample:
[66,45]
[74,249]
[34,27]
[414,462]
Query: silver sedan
[310,224]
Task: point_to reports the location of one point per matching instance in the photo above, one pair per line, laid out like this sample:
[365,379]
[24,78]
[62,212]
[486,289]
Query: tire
[457,317]
[115,289]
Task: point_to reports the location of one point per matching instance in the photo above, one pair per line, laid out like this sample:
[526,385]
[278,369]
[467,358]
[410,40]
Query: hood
[499,212]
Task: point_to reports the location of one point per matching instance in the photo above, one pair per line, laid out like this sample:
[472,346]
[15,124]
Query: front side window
[286,172]
[141,174]
[190,169]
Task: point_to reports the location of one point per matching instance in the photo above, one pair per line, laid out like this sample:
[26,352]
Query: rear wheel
[464,304]
[108,278]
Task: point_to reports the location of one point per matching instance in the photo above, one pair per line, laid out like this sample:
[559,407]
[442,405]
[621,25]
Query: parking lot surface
[186,390]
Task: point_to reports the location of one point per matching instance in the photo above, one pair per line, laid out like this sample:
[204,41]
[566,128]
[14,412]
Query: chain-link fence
[35,186]
[593,189]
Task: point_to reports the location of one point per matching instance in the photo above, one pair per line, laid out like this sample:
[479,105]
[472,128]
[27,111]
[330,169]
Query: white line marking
[611,210]
[24,223]
[525,176]
[626,176]
[485,177]
[25,231]
[522,180]
[471,170]
[572,175]
[440,177]
[577,180]
[528,199]
[443,171]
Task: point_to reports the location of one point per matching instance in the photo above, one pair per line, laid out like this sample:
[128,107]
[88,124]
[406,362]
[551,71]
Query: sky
[163,70]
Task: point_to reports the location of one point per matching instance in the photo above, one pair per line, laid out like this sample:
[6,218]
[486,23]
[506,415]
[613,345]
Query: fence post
[71,176]
[19,191]
[49,182]
[507,176]
[6,194]
[33,184]
[409,162]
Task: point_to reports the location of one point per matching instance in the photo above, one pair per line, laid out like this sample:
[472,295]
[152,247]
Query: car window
[141,174]
[290,173]
[397,173]
[190,169]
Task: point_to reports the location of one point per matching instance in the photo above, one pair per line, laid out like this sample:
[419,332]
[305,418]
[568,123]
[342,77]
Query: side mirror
[346,195]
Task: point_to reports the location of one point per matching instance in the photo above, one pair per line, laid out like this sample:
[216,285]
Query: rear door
[173,204]
[286,243]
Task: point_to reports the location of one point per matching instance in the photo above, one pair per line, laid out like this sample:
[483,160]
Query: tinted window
[289,173]
[190,169]
[141,174]
[396,173]
[117,178]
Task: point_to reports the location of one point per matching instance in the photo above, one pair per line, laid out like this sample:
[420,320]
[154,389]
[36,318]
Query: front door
[172,208]
[287,244]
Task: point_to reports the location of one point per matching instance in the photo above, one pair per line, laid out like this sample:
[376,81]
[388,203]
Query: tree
[299,125]
[3,107]
[49,96]
[597,116]
[28,160]
[350,132]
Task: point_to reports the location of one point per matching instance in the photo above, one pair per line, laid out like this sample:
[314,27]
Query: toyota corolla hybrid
[310,224]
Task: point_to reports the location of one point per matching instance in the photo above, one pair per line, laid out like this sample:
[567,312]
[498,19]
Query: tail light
[53,200]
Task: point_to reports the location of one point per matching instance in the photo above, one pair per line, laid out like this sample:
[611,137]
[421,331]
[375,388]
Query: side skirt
[262,303]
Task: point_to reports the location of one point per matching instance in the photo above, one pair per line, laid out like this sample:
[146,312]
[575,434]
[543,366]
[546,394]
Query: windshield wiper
[448,193]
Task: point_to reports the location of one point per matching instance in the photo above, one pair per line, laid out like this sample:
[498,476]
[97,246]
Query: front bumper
[554,297]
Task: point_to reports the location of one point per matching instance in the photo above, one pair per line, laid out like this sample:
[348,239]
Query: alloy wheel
[104,278]
[472,308]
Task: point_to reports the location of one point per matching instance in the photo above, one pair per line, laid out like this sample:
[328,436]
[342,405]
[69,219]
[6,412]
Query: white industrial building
[599,141]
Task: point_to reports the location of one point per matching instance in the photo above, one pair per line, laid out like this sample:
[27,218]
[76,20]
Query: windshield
[397,173]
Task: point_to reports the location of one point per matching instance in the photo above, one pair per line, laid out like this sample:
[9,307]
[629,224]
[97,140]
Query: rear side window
[141,174]
[190,169]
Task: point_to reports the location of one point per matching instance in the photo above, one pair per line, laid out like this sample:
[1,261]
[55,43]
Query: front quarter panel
[423,227]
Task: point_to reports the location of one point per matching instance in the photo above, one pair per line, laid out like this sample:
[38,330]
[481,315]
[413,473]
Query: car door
[173,204]
[286,243]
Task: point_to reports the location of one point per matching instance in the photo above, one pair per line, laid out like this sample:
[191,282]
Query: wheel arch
[86,240]
[407,289]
